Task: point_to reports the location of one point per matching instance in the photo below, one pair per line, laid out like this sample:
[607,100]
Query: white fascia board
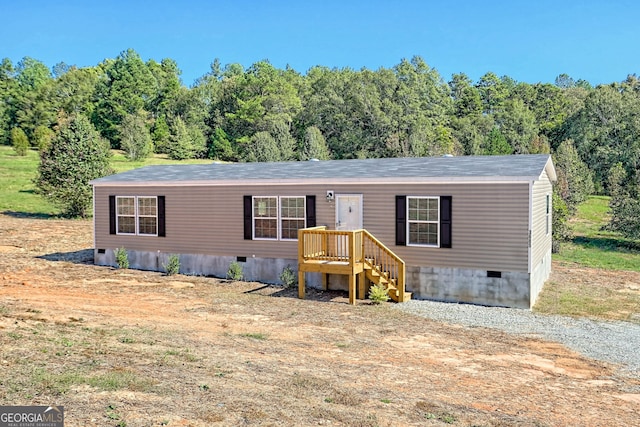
[318,181]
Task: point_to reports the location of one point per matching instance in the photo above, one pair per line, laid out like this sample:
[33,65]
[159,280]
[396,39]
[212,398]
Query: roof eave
[322,181]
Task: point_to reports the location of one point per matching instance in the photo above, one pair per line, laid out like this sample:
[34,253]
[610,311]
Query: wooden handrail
[391,266]
[329,245]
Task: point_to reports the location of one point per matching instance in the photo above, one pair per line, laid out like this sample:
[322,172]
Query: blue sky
[531,41]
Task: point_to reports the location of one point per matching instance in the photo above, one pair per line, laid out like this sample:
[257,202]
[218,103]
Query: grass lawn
[17,191]
[593,247]
[596,274]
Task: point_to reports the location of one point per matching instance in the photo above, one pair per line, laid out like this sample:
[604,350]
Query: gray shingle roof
[516,167]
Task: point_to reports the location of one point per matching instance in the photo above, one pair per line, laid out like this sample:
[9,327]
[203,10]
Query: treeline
[267,114]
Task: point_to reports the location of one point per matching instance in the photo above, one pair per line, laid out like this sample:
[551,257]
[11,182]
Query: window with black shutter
[401,220]
[423,221]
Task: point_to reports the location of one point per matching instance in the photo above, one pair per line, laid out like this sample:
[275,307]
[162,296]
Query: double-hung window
[278,218]
[292,217]
[137,215]
[126,215]
[265,217]
[423,215]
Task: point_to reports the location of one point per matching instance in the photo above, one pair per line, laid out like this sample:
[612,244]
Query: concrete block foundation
[266,270]
[459,285]
[510,289]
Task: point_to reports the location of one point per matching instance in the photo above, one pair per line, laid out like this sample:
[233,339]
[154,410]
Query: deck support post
[352,289]
[325,281]
[300,284]
[361,285]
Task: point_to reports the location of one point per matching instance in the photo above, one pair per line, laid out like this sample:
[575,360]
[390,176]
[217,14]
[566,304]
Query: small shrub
[378,294]
[122,258]
[172,266]
[235,271]
[288,277]
[20,141]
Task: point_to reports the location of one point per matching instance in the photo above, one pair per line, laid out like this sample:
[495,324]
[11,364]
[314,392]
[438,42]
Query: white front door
[348,211]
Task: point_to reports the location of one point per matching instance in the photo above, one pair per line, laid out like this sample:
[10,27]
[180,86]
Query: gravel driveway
[611,342]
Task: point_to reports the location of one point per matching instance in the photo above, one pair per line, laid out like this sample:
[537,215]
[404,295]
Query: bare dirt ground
[132,348]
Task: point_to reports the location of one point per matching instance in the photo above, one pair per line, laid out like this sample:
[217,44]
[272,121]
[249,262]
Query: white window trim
[136,216]
[135,221]
[278,217]
[408,239]
[548,206]
[253,217]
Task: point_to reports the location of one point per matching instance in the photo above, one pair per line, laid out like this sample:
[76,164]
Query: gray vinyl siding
[541,242]
[490,221]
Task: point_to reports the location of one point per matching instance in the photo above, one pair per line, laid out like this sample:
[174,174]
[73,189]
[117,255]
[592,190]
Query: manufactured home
[472,229]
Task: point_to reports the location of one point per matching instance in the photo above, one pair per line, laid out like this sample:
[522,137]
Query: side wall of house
[205,224]
[489,221]
[541,234]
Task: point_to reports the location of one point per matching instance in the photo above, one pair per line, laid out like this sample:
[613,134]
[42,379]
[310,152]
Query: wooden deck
[354,253]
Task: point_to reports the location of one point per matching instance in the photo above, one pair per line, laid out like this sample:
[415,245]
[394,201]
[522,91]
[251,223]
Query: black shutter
[162,231]
[311,211]
[112,214]
[445,221]
[248,226]
[401,220]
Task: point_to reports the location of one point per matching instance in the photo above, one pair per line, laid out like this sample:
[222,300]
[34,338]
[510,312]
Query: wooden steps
[355,253]
[376,275]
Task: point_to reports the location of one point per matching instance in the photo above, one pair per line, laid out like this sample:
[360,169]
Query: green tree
[472,132]
[76,156]
[561,232]
[31,98]
[466,97]
[624,205]
[575,182]
[263,148]
[42,137]
[517,124]
[539,145]
[180,147]
[135,139]
[564,81]
[126,87]
[425,105]
[496,144]
[493,92]
[167,88]
[161,135]
[616,181]
[20,141]
[282,135]
[220,147]
[73,91]
[325,107]
[31,73]
[261,99]
[550,107]
[314,145]
[198,141]
[625,215]
[7,94]
[606,131]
